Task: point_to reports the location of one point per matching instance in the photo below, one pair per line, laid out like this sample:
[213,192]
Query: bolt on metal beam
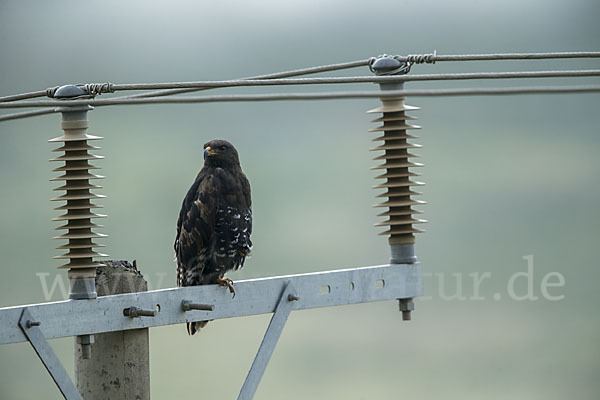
[187,305]
[135,312]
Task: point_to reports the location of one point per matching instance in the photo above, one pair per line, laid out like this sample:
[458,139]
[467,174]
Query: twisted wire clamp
[397,165]
[78,197]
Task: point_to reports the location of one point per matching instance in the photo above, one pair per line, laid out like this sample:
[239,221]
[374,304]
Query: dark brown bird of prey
[215,222]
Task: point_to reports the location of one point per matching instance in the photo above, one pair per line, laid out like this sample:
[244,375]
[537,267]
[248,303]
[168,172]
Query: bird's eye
[222,148]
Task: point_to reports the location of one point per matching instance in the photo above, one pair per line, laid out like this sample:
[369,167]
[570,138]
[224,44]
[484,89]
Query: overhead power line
[182,87]
[26,114]
[313,96]
[362,79]
[332,80]
[282,78]
[193,86]
[343,80]
[433,58]
[414,58]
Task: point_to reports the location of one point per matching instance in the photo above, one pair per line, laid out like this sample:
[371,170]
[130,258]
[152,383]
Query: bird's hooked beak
[207,152]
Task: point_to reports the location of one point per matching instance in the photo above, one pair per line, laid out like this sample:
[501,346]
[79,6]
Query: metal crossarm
[255,296]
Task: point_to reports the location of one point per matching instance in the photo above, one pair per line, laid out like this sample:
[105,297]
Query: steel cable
[315,96]
[279,78]
[417,59]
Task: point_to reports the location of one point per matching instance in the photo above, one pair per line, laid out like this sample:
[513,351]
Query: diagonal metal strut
[280,316]
[32,330]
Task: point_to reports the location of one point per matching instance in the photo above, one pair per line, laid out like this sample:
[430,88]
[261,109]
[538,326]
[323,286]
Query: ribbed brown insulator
[78,197]
[397,163]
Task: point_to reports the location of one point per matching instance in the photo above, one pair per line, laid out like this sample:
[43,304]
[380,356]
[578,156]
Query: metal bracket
[31,329]
[280,316]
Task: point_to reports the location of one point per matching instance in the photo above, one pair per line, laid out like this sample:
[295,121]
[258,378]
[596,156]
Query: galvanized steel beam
[255,296]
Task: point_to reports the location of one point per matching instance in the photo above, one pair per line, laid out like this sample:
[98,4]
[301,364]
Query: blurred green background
[507,177]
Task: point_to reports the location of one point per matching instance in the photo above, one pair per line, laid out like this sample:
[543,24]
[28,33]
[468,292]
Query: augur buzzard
[215,222]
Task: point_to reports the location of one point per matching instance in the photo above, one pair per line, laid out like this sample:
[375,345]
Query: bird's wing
[233,222]
[195,227]
[248,198]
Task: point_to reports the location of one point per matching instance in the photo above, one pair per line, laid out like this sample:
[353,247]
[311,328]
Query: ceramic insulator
[398,171]
[78,216]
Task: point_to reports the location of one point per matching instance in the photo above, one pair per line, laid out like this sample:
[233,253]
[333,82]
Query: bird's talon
[227,282]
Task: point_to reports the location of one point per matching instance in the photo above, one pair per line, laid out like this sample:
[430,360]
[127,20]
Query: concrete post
[119,367]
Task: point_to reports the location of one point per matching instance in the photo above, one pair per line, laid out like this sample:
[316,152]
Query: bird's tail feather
[193,327]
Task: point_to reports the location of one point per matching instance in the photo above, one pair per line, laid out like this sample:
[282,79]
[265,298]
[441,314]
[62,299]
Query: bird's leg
[226,282]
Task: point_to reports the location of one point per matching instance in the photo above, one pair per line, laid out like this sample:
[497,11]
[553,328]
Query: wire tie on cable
[422,58]
[51,91]
[92,90]
[95,89]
